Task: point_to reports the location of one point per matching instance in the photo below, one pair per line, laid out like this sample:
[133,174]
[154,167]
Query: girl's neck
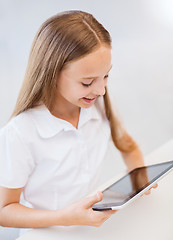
[67,113]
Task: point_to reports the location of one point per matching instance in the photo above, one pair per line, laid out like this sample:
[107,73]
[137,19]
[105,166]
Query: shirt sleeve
[16,161]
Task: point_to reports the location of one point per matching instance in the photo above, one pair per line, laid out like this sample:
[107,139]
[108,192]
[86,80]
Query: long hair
[61,39]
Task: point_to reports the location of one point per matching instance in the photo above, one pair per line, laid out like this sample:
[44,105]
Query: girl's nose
[99,89]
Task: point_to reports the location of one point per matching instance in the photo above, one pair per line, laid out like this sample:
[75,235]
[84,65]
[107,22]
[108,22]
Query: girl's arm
[13,214]
[133,159]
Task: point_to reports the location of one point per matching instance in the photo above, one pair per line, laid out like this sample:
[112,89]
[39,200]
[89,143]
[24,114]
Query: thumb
[88,202]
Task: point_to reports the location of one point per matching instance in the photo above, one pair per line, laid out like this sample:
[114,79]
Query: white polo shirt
[56,163]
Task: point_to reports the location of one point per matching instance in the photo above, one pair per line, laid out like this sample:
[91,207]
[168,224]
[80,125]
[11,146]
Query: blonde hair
[61,39]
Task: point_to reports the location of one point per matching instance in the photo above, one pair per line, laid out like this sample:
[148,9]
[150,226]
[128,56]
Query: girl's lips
[88,100]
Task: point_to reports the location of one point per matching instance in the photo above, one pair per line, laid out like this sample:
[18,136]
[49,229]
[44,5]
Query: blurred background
[140,83]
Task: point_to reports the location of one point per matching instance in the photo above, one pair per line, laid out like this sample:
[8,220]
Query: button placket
[83,154]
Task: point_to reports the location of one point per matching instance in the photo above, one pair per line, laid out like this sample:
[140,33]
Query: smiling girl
[57,138]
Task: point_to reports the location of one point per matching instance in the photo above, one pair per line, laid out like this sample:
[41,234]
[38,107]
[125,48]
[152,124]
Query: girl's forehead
[93,63]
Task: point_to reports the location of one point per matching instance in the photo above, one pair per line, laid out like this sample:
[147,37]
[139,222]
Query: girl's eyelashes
[87,85]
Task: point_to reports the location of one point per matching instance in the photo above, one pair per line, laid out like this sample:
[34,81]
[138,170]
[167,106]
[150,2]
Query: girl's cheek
[84,92]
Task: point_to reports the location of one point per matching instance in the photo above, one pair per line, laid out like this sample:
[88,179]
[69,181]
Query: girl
[55,142]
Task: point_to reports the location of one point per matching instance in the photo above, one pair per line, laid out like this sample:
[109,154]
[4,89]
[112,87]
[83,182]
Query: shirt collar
[48,125]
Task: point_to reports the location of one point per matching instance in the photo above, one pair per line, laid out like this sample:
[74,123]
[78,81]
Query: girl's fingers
[89,201]
[147,192]
[110,212]
[113,211]
[105,214]
[155,186]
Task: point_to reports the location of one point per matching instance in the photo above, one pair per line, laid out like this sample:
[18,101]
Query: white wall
[141,81]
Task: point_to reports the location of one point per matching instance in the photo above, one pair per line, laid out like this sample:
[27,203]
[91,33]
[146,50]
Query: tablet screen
[133,183]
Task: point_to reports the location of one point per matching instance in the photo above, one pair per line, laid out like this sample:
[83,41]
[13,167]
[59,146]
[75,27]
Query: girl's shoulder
[22,125]
[33,124]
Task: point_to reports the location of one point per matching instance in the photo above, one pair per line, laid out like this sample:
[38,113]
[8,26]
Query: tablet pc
[131,186]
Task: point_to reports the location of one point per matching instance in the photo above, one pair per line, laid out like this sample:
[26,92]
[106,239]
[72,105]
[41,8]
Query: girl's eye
[86,85]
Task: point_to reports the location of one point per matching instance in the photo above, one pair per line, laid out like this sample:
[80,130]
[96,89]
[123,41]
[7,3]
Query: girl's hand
[149,191]
[81,213]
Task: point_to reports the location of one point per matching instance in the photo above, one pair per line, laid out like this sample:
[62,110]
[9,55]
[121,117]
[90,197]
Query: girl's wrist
[61,217]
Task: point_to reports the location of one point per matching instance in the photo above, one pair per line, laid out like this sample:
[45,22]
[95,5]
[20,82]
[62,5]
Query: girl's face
[83,80]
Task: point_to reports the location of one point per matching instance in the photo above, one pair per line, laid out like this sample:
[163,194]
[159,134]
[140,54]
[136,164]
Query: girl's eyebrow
[96,77]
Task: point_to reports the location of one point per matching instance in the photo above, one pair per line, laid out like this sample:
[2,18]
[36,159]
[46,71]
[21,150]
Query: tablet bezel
[111,206]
